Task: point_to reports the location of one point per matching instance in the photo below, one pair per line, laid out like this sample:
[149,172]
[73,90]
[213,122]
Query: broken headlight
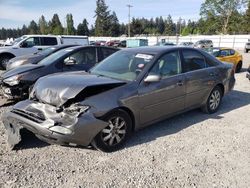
[76,109]
[13,80]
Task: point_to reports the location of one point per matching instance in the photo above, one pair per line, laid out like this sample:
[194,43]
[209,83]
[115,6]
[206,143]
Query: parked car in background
[129,90]
[204,44]
[99,43]
[227,55]
[187,44]
[26,45]
[29,44]
[165,44]
[15,83]
[114,43]
[247,47]
[34,58]
[123,44]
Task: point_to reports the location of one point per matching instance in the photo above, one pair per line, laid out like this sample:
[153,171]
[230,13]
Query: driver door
[81,60]
[29,46]
[167,96]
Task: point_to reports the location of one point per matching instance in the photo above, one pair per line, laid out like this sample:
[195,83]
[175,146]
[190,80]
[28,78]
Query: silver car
[129,90]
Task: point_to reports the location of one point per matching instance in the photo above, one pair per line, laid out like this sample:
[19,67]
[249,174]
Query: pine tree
[55,26]
[102,22]
[115,26]
[70,25]
[33,28]
[42,25]
[82,28]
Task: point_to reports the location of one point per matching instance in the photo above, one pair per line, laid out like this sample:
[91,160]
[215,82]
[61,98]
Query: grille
[38,118]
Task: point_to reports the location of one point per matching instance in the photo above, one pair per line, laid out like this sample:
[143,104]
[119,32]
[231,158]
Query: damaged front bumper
[49,125]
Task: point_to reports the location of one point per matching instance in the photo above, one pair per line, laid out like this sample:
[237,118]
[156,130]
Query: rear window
[49,41]
[193,60]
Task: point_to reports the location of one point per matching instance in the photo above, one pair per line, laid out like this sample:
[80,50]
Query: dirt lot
[190,150]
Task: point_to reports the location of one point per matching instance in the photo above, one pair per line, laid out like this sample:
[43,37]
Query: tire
[213,101]
[238,67]
[3,60]
[246,50]
[113,137]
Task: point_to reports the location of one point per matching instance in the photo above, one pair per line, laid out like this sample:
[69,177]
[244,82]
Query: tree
[42,25]
[102,22]
[82,28]
[55,26]
[114,25]
[221,10]
[70,24]
[170,28]
[247,19]
[33,28]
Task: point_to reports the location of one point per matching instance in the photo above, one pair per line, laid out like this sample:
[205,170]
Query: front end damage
[16,92]
[74,125]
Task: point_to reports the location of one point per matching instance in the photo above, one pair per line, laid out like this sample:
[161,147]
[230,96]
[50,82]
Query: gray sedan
[129,90]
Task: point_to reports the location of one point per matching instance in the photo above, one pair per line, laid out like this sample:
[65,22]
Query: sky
[15,13]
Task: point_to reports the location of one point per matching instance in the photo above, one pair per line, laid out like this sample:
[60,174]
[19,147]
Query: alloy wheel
[214,100]
[115,132]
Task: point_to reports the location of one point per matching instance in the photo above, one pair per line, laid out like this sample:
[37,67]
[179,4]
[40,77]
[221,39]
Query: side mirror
[69,62]
[24,45]
[152,78]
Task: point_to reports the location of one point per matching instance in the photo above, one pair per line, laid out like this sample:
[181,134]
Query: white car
[29,44]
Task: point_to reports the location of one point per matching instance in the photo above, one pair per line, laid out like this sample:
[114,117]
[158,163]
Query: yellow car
[228,55]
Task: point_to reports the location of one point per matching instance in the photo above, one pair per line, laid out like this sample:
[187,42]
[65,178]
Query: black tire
[213,101]
[238,67]
[113,137]
[246,50]
[4,59]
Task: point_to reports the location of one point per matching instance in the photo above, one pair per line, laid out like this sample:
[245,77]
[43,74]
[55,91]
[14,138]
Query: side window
[48,41]
[193,60]
[168,65]
[224,53]
[106,52]
[84,56]
[232,52]
[30,42]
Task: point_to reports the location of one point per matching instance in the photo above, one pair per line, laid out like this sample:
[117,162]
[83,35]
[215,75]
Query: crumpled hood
[57,89]
[20,70]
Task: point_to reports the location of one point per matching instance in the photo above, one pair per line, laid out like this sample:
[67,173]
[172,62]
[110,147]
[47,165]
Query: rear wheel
[246,50]
[112,137]
[213,101]
[238,67]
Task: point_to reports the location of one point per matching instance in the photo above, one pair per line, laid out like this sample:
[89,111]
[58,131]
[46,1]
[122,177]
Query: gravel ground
[189,150]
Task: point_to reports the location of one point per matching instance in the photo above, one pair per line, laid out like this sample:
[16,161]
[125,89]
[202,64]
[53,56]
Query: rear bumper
[85,128]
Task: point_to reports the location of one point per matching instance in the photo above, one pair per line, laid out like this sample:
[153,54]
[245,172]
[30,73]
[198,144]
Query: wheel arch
[7,54]
[221,86]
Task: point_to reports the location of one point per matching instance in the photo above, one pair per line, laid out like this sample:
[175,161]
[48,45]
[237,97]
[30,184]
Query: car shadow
[232,101]
[28,141]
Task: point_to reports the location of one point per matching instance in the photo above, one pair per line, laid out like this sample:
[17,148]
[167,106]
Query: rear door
[200,77]
[84,58]
[167,96]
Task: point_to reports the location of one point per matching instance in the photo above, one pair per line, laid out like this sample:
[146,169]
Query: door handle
[179,83]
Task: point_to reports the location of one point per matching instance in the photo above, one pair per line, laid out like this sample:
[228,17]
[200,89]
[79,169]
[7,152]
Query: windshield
[17,40]
[123,65]
[51,58]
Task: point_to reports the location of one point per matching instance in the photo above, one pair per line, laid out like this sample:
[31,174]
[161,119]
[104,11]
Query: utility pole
[129,6]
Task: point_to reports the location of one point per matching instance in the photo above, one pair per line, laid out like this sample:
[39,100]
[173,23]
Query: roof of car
[155,49]
[89,46]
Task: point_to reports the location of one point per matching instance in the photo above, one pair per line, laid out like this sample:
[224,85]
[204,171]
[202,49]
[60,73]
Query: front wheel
[112,137]
[213,101]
